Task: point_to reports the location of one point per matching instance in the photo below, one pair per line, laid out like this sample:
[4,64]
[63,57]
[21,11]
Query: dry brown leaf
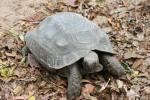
[119,83]
[110,21]
[119,10]
[132,94]
[137,63]
[147,62]
[147,90]
[64,98]
[140,37]
[125,2]
[100,20]
[129,55]
[107,29]
[19,72]
[23,97]
[70,2]
[9,43]
[88,88]
[13,54]
[85,81]
[115,23]
[104,86]
[18,90]
[38,16]
[6,80]
[86,97]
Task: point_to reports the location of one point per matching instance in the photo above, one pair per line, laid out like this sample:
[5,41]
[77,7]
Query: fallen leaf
[125,2]
[135,43]
[100,20]
[115,23]
[6,80]
[19,72]
[32,98]
[4,71]
[64,98]
[10,43]
[22,61]
[38,16]
[85,81]
[21,36]
[6,92]
[104,86]
[134,73]
[147,90]
[87,97]
[119,10]
[13,54]
[88,88]
[147,62]
[12,32]
[132,93]
[23,97]
[140,37]
[137,63]
[18,90]
[129,55]
[70,2]
[107,29]
[119,83]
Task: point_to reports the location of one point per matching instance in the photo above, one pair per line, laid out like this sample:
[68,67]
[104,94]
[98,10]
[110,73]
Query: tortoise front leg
[74,79]
[111,64]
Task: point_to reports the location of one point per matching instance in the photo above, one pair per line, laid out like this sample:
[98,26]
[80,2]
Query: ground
[127,23]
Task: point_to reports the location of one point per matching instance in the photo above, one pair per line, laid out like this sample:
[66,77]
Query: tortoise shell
[64,38]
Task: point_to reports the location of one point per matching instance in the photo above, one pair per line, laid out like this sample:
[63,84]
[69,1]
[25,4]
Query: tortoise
[72,45]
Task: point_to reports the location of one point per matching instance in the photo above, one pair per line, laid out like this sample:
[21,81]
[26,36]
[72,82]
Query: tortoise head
[91,63]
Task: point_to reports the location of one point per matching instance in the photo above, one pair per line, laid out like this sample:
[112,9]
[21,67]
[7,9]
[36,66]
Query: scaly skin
[25,50]
[111,64]
[91,63]
[74,78]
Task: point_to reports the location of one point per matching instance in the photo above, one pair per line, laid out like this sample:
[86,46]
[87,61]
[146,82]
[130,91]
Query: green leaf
[4,71]
[127,67]
[22,61]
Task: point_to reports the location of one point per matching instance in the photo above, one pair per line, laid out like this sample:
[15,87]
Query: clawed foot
[73,91]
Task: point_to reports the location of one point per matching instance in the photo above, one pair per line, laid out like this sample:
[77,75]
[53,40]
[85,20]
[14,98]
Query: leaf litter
[125,21]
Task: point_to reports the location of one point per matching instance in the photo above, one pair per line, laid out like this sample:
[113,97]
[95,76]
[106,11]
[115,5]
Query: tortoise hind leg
[111,64]
[74,78]
[25,50]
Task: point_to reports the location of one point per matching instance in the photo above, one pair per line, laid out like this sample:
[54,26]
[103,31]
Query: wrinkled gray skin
[111,64]
[91,63]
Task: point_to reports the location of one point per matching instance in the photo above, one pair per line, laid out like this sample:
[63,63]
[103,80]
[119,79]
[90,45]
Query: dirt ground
[127,22]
